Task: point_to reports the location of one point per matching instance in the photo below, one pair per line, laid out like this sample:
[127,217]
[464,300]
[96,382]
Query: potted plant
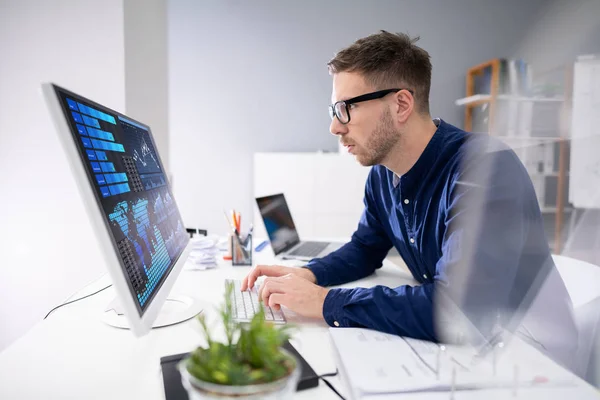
[251,364]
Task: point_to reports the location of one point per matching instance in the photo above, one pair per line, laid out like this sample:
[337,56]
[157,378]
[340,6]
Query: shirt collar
[425,158]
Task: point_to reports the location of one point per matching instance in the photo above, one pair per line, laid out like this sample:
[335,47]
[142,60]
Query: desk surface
[73,355]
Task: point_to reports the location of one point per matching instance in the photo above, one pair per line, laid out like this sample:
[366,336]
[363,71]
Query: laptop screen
[278,222]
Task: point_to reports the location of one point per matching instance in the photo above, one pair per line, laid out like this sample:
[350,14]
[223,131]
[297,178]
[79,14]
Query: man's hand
[296,293]
[275,271]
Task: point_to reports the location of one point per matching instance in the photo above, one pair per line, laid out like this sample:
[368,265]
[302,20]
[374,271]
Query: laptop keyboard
[309,249]
[246,304]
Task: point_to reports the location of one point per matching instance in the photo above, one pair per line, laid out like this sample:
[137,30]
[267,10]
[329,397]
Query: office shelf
[474,100]
[547,173]
[496,103]
[531,99]
[479,99]
[552,210]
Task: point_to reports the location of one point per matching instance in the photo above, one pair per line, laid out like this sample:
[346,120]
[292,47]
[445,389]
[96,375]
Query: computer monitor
[128,198]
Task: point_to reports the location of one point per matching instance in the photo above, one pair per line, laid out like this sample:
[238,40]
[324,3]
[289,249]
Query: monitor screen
[132,191]
[278,222]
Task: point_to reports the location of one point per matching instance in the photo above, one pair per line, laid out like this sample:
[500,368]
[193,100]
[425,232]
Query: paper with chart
[376,362]
[584,186]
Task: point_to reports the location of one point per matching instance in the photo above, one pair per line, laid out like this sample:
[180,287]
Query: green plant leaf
[251,353]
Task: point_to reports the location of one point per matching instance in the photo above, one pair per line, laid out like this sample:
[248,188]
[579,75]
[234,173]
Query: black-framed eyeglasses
[341,109]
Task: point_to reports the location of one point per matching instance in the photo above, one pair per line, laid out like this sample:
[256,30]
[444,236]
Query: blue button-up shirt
[467,198]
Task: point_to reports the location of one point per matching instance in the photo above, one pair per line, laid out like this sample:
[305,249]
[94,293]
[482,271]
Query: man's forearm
[405,310]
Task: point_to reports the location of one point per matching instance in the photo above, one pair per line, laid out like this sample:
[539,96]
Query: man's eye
[351,106]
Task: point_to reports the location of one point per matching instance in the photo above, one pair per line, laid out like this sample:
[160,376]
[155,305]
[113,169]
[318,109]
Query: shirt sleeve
[363,254]
[405,310]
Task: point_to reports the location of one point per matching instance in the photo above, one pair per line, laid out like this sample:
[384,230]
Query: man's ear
[404,103]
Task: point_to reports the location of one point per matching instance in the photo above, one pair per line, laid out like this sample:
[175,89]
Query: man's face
[371,133]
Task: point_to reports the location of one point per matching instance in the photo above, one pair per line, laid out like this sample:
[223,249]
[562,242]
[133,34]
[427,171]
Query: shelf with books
[501,100]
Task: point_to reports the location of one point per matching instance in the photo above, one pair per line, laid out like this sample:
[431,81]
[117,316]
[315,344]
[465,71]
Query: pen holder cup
[241,250]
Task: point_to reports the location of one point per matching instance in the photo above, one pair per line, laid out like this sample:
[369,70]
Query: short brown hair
[388,60]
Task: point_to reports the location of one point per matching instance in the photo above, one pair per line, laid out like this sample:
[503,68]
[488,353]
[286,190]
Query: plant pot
[280,389]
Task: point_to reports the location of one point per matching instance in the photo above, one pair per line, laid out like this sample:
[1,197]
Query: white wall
[47,246]
[146,79]
[248,77]
[300,176]
[561,31]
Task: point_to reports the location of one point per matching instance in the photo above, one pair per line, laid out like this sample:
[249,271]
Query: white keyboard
[246,304]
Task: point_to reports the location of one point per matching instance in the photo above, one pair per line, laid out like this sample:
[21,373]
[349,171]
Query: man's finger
[266,283]
[248,282]
[269,286]
[263,270]
[244,285]
[276,300]
[251,278]
[256,272]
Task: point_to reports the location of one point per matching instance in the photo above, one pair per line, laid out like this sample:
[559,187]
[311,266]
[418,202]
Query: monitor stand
[176,309]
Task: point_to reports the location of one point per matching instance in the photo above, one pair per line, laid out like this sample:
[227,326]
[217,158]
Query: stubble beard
[382,141]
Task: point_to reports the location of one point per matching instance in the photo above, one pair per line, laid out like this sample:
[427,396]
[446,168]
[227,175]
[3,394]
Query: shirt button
[336,323]
[406,201]
[412,240]
[425,276]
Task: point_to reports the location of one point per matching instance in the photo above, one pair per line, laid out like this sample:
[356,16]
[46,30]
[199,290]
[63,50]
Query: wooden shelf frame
[480,99]
[470,83]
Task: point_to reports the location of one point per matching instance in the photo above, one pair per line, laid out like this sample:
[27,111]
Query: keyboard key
[246,304]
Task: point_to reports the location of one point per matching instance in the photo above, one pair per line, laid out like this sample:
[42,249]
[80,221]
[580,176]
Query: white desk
[73,355]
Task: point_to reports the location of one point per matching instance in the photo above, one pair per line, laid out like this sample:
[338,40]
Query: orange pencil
[234,219]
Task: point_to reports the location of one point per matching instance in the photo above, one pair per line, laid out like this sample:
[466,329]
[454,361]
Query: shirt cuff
[333,307]
[319,270]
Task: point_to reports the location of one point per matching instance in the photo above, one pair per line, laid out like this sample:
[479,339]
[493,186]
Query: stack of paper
[204,253]
[373,363]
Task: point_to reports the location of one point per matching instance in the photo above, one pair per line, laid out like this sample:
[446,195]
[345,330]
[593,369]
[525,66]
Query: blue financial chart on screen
[130,183]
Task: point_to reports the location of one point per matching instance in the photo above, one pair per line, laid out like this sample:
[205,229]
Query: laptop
[283,236]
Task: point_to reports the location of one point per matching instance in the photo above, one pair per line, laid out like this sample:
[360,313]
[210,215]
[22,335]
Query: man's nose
[337,128]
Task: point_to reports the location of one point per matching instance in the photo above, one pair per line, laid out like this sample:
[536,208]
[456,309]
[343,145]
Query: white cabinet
[324,191]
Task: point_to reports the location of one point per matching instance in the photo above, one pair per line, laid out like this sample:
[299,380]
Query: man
[459,208]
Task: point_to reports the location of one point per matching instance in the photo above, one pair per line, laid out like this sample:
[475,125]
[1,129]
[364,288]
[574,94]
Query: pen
[236,236]
[262,245]
[233,229]
[248,236]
